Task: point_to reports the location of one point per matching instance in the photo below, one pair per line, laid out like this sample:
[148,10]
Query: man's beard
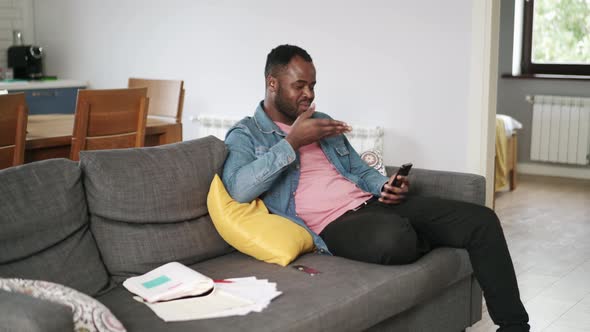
[284,107]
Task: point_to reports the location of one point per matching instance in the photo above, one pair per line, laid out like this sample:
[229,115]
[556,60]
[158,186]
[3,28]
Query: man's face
[295,88]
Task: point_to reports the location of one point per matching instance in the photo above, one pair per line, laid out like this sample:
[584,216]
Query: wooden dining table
[50,135]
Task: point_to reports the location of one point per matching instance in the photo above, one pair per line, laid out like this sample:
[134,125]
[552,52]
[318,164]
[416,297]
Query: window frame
[531,68]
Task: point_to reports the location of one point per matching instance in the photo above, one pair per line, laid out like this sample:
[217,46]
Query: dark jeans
[400,234]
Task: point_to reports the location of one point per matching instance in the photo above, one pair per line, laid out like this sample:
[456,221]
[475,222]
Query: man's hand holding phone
[395,190]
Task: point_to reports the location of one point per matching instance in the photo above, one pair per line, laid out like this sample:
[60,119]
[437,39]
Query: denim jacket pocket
[343,155]
[342,150]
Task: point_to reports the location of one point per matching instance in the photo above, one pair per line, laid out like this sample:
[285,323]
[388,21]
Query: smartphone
[404,170]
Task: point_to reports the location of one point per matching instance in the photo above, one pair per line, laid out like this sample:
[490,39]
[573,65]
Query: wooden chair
[13,129]
[109,119]
[166,96]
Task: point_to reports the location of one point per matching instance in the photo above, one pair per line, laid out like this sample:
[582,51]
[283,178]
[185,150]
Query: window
[556,37]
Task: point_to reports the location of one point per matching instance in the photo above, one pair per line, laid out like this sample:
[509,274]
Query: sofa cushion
[148,206]
[346,295]
[449,185]
[44,229]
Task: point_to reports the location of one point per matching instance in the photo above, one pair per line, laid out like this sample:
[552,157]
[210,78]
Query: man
[300,164]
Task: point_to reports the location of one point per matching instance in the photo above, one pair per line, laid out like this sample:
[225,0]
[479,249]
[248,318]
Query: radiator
[361,138]
[560,129]
[214,125]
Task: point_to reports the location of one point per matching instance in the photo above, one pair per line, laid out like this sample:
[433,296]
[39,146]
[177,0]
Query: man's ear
[271,83]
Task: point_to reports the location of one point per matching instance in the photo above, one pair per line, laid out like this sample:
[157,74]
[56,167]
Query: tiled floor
[547,225]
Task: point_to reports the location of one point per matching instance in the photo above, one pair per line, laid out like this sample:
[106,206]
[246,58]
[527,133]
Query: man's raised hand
[306,130]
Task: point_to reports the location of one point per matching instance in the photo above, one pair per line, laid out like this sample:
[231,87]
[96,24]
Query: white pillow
[374,159]
[88,314]
[511,125]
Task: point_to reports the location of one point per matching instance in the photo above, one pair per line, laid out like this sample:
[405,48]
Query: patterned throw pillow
[88,314]
[374,159]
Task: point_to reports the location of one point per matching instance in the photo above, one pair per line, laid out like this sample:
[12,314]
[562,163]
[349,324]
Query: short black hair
[280,56]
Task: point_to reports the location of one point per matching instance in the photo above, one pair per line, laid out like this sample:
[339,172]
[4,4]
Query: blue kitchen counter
[47,97]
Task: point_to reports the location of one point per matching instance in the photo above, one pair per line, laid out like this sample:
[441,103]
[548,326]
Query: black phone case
[404,170]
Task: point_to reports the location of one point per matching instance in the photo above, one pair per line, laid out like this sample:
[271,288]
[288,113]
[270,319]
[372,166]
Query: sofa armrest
[21,312]
[452,185]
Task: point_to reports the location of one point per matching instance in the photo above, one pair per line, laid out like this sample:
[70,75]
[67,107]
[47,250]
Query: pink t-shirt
[322,194]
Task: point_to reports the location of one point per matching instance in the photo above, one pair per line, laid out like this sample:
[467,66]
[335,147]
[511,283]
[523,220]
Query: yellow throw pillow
[252,230]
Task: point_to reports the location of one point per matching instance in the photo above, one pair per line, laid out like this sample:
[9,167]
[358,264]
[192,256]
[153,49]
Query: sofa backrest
[44,229]
[148,206]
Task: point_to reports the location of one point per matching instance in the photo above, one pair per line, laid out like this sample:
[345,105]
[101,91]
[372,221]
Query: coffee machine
[26,61]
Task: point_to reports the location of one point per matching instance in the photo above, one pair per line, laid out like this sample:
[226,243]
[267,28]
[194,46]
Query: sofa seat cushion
[148,206]
[345,296]
[44,228]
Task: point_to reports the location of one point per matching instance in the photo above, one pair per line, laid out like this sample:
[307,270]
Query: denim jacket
[261,163]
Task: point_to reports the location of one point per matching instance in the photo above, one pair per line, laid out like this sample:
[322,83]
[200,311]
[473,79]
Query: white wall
[404,65]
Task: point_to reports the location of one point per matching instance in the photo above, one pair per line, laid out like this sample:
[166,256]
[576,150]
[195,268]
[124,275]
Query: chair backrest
[13,129]
[109,119]
[166,96]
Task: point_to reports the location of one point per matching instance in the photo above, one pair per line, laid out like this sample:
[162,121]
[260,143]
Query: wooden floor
[547,225]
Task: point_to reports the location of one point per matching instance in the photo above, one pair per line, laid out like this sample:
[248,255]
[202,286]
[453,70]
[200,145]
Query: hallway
[547,225]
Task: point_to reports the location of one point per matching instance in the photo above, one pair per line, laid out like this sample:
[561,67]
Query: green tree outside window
[561,32]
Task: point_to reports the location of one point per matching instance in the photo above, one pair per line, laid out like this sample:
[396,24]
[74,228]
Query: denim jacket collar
[264,122]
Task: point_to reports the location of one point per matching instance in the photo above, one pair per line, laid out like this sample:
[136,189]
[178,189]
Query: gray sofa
[119,213]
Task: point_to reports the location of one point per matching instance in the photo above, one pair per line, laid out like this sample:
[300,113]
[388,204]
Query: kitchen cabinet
[47,97]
